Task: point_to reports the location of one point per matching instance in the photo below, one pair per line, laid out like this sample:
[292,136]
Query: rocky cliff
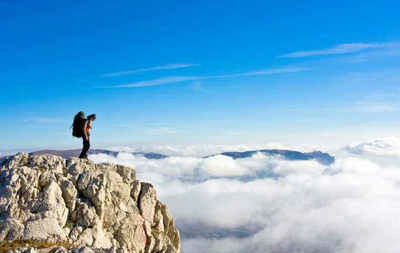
[50,204]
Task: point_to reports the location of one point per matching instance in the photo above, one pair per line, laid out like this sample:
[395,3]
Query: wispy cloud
[158,81]
[162,67]
[178,79]
[338,49]
[264,72]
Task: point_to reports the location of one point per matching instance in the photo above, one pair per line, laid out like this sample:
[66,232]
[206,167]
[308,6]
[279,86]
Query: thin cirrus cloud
[178,79]
[159,81]
[264,72]
[162,67]
[338,49]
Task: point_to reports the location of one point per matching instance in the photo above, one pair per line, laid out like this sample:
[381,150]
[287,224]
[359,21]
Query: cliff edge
[49,204]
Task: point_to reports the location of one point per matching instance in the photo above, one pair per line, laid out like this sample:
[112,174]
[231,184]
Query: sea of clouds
[267,204]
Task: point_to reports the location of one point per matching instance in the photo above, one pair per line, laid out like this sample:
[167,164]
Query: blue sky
[199,71]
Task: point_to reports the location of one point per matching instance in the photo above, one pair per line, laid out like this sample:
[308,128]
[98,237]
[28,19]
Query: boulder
[94,207]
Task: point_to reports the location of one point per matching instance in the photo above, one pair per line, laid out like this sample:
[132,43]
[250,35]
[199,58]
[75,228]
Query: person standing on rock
[81,129]
[87,127]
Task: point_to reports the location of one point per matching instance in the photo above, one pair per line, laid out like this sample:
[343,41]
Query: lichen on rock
[98,207]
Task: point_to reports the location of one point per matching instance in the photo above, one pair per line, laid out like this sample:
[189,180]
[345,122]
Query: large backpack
[78,124]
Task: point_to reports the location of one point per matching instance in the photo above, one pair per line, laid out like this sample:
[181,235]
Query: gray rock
[44,229]
[69,193]
[147,201]
[51,203]
[11,230]
[59,250]
[100,207]
[135,190]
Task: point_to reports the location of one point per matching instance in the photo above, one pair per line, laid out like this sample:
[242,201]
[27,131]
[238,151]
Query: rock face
[100,207]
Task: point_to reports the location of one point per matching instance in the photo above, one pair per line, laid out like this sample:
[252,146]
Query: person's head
[92,117]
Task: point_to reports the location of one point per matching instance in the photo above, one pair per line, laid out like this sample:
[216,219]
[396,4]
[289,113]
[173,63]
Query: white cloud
[283,206]
[162,67]
[338,49]
[159,81]
[221,165]
[263,72]
[383,147]
[179,79]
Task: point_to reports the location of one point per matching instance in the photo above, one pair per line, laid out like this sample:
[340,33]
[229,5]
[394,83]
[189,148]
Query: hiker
[81,129]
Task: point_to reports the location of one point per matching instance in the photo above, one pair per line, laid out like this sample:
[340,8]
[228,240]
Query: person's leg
[85,148]
[82,155]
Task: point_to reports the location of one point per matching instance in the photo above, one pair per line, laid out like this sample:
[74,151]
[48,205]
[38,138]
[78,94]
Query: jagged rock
[135,190]
[69,193]
[44,229]
[147,201]
[51,203]
[10,230]
[23,250]
[59,250]
[101,208]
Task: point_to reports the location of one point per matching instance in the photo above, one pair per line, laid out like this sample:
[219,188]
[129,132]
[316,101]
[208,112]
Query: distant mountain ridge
[67,154]
[321,157]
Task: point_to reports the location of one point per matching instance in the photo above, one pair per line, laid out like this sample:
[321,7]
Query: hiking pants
[85,148]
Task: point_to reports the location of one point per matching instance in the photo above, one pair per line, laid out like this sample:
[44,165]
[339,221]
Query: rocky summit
[49,204]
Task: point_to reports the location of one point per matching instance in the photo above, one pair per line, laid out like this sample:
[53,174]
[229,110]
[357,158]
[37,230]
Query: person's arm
[85,133]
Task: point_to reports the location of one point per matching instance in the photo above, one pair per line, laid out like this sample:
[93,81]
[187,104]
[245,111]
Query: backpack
[78,124]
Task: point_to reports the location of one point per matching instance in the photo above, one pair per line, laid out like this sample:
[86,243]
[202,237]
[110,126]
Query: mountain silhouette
[321,157]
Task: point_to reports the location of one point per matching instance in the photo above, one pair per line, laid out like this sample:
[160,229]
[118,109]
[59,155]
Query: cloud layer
[267,204]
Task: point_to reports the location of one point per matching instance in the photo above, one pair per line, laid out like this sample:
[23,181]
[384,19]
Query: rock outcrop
[93,207]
